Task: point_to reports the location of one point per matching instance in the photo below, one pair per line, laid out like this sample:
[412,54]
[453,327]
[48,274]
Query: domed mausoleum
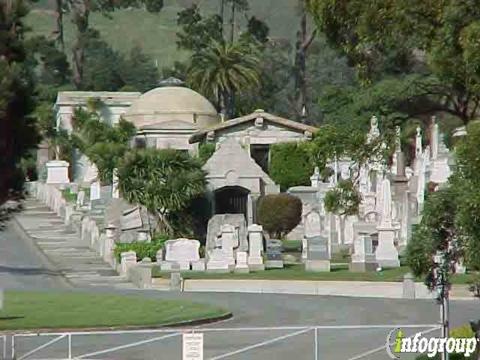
[165,117]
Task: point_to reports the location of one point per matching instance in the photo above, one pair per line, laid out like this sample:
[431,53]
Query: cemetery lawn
[62,310]
[339,272]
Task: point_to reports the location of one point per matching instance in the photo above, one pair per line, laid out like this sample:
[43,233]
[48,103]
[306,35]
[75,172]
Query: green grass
[156,33]
[297,272]
[339,272]
[34,310]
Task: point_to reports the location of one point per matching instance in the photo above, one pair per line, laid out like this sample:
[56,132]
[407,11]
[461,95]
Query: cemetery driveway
[22,265]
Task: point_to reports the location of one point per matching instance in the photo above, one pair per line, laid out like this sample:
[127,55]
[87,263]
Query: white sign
[192,347]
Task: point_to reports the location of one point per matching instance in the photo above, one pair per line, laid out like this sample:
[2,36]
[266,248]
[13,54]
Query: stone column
[115,190]
[128,259]
[255,247]
[110,234]
[386,253]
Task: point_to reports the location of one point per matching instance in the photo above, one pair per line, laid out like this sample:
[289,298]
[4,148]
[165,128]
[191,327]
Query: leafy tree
[290,165]
[17,128]
[436,232]
[103,144]
[430,37]
[138,71]
[197,32]
[221,70]
[279,214]
[205,151]
[164,181]
[101,65]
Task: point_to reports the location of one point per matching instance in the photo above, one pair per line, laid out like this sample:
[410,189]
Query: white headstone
[242,261]
[81,198]
[229,241]
[182,250]
[315,178]
[115,190]
[312,224]
[386,203]
[255,246]
[95,190]
[418,143]
[434,140]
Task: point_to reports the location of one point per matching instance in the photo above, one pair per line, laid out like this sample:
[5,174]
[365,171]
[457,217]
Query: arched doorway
[231,200]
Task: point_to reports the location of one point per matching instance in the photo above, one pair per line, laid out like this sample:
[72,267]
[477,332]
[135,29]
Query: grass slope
[33,310]
[156,32]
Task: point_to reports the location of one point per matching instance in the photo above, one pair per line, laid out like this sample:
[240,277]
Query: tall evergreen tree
[17,130]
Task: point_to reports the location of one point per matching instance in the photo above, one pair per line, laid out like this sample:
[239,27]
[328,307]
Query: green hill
[156,32]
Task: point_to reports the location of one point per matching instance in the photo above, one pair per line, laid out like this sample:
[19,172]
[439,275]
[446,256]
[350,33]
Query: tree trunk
[59,25]
[81,12]
[222,13]
[232,23]
[303,43]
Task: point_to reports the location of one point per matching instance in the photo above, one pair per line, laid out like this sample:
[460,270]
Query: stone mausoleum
[176,117]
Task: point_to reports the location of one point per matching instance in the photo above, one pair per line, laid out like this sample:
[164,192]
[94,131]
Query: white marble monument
[255,247]
[57,172]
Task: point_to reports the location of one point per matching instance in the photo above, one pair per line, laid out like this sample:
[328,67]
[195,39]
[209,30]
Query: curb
[187,323]
[44,259]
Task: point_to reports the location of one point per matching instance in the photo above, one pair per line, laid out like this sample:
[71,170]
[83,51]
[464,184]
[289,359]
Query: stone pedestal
[57,172]
[198,265]
[128,259]
[408,287]
[217,262]
[386,253]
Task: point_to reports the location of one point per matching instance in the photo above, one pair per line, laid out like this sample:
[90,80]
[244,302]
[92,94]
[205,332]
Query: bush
[279,214]
[205,151]
[142,249]
[290,165]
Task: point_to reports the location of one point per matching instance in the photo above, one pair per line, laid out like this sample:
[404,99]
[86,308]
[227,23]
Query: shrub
[142,249]
[279,214]
[290,165]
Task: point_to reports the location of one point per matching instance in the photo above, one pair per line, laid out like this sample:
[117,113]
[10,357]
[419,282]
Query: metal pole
[316,343]
[69,346]
[13,346]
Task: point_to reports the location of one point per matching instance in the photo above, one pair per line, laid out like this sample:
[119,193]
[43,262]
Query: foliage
[69,196]
[100,72]
[103,144]
[164,181]
[17,128]
[279,214]
[142,249]
[344,199]
[290,164]
[138,71]
[197,32]
[436,232]
[221,70]
[205,151]
[430,37]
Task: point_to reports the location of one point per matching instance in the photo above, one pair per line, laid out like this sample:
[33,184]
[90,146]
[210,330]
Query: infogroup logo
[430,346]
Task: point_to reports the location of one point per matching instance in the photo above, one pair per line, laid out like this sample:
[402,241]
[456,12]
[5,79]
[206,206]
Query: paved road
[21,267]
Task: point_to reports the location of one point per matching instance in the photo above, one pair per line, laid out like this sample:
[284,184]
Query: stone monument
[255,247]
[363,257]
[57,172]
[242,262]
[318,254]
[273,254]
[386,252]
[182,252]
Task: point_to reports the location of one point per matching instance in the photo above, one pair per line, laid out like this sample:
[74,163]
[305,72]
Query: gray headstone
[273,249]
[175,281]
[317,248]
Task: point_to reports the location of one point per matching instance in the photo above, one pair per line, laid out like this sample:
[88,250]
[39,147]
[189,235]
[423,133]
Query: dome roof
[172,103]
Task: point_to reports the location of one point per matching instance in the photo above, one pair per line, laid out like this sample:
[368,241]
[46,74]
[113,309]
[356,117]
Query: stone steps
[79,264]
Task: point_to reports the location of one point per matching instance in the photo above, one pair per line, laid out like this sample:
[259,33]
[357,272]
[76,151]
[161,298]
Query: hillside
[156,32]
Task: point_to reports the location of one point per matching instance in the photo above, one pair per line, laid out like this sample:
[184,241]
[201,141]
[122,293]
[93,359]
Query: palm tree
[222,69]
